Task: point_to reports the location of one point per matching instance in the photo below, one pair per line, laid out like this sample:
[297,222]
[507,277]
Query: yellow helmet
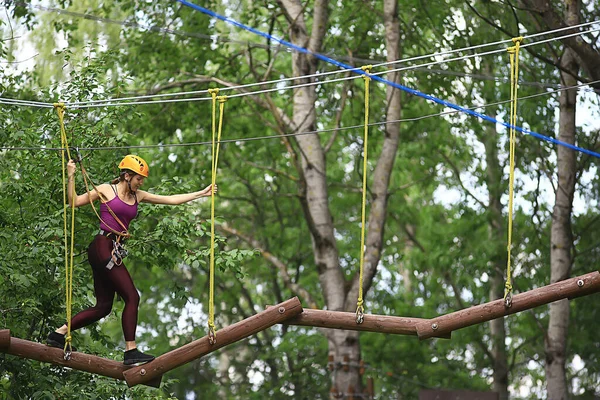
[135,164]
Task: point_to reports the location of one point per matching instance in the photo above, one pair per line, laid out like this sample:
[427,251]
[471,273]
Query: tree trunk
[385,163]
[378,204]
[561,235]
[496,235]
[498,339]
[344,347]
[403,265]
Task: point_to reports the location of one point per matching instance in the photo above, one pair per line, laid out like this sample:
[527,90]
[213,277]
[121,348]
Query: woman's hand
[71,168]
[209,189]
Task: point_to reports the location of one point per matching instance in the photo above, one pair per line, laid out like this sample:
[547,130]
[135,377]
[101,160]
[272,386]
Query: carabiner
[508,300]
[212,337]
[78,158]
[360,314]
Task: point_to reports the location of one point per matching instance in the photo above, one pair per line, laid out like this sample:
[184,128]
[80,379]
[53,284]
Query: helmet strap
[131,175]
[129,186]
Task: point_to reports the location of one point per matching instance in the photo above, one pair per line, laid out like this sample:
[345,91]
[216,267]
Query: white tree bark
[312,158]
[561,255]
[344,345]
[497,234]
[385,163]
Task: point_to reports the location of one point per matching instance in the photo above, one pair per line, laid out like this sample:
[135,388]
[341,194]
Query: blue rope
[385,81]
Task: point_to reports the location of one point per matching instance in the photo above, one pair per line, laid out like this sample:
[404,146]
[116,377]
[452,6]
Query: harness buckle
[119,251]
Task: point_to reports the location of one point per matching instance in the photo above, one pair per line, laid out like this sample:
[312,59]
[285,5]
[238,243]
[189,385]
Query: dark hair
[121,176]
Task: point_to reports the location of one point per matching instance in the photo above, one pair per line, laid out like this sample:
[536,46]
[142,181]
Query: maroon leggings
[107,282]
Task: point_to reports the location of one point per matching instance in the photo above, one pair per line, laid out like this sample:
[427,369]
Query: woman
[105,253]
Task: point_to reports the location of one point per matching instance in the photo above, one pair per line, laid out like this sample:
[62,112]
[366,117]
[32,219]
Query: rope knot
[212,335]
[517,41]
[213,92]
[222,99]
[367,69]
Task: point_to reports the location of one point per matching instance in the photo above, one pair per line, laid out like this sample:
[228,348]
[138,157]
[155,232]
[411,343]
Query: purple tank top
[125,212]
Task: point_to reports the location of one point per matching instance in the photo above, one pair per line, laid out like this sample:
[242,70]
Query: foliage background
[438,177]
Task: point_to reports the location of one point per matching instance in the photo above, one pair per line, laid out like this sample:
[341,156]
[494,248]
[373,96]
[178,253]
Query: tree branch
[275,171]
[528,49]
[276,262]
[338,115]
[460,182]
[180,84]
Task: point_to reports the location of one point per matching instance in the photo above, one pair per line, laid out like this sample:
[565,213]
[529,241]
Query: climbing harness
[514,76]
[119,252]
[216,142]
[360,310]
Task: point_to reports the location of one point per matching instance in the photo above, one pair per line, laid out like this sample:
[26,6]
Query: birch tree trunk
[561,255]
[385,164]
[344,348]
[496,235]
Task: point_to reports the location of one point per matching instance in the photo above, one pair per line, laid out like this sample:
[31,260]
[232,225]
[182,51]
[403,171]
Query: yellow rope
[216,142]
[514,76]
[359,304]
[60,110]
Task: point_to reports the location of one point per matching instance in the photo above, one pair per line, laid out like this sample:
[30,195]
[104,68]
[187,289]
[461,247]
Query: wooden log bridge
[371,322]
[198,348]
[569,288]
[4,339]
[79,361]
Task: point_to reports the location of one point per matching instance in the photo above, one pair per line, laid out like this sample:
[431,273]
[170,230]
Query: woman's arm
[175,199]
[81,199]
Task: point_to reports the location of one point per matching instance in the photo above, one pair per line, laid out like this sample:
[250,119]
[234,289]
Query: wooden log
[4,338]
[79,361]
[347,320]
[201,347]
[574,287]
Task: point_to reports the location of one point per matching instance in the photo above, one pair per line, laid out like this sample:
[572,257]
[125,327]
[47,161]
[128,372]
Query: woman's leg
[99,254]
[124,286]
[106,283]
[105,294]
[118,280]
[98,251]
